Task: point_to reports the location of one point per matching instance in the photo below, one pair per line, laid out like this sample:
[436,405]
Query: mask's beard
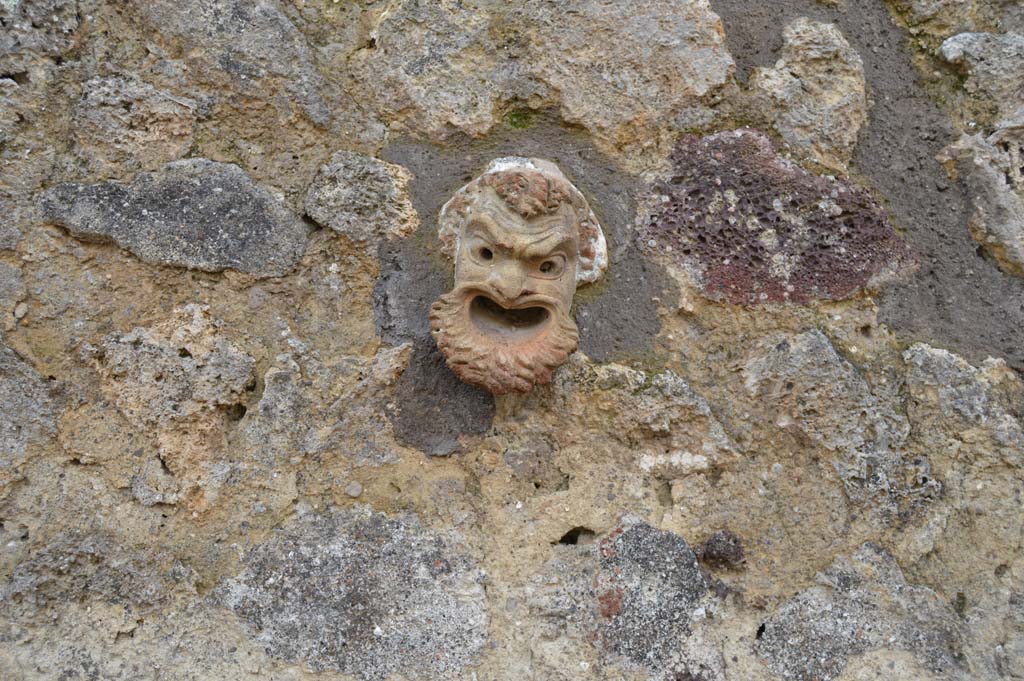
[495,361]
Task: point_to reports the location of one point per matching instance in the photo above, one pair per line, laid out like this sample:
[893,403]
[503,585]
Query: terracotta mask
[523,238]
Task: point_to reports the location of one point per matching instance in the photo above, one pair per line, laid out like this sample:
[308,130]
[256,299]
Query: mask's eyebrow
[539,248]
[489,229]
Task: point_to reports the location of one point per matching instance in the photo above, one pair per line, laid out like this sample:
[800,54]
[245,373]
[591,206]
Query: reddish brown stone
[609,603]
[756,228]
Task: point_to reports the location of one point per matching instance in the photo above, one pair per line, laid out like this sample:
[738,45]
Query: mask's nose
[508,280]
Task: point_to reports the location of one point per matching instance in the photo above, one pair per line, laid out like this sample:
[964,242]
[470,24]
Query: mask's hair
[531,188]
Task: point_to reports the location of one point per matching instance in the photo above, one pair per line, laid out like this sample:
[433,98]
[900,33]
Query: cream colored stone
[815,93]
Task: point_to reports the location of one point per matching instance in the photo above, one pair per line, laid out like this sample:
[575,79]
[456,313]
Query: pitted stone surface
[246,46]
[37,26]
[127,124]
[861,603]
[993,64]
[26,412]
[933,16]
[9,232]
[723,549]
[813,389]
[618,70]
[668,428]
[176,370]
[638,595]
[365,594]
[177,383]
[632,67]
[417,48]
[648,590]
[939,19]
[306,406]
[75,567]
[754,228]
[363,198]
[993,168]
[815,92]
[950,399]
[12,289]
[195,213]
[679,436]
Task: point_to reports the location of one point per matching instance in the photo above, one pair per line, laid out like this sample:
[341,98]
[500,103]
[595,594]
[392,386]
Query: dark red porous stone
[757,228]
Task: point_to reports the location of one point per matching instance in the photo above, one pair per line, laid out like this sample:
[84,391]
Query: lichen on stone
[638,595]
[993,168]
[363,198]
[27,413]
[176,216]
[861,603]
[362,593]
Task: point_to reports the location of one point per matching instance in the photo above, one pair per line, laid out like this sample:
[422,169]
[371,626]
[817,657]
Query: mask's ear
[593,255]
[450,219]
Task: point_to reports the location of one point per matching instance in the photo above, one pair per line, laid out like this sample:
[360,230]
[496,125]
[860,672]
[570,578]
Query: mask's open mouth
[514,325]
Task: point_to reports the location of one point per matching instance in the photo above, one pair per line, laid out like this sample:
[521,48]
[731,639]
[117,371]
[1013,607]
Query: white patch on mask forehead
[504,163]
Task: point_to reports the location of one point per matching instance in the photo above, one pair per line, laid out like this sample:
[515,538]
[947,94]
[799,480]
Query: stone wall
[791,445]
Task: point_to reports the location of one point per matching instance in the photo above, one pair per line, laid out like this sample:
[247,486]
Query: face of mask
[506,324]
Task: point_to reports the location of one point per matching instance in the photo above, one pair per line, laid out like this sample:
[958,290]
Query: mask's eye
[551,268]
[481,252]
